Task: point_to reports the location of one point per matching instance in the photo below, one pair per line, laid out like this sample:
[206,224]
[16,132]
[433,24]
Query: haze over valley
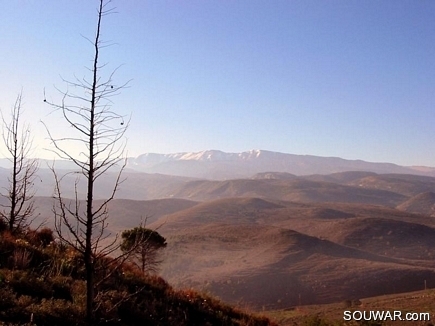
[277,239]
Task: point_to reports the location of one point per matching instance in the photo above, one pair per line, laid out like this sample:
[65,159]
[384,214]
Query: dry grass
[418,302]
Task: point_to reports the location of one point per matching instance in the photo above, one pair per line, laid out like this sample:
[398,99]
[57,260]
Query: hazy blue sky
[354,79]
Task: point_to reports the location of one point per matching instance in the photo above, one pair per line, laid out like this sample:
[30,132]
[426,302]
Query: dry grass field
[333,313]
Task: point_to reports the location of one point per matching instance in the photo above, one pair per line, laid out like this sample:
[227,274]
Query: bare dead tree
[19,211]
[99,132]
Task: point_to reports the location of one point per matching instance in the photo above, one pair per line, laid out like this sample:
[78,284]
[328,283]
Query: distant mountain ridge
[219,165]
[215,164]
[208,155]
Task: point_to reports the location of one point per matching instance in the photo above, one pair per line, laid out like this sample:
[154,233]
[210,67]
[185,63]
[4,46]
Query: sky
[344,78]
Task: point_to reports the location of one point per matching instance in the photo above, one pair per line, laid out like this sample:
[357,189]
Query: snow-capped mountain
[215,164]
[218,165]
[209,155]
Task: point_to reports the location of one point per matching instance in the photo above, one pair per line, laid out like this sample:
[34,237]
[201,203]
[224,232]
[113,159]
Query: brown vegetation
[43,284]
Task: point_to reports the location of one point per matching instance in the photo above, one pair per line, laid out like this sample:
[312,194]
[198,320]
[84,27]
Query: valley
[275,240]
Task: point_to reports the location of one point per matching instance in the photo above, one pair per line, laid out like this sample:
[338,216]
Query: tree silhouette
[144,245]
[98,133]
[18,213]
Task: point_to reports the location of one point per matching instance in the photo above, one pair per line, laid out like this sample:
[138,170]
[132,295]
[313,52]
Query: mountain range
[214,164]
[218,165]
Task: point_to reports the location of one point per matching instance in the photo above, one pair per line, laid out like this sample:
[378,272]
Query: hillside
[300,190]
[419,302]
[239,246]
[407,185]
[423,203]
[285,266]
[276,239]
[351,186]
[390,238]
[42,283]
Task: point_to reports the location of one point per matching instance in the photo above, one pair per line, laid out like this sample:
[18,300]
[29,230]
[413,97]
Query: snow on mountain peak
[216,164]
[207,155]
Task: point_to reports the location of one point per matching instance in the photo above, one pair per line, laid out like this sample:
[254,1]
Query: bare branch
[97,130]
[19,212]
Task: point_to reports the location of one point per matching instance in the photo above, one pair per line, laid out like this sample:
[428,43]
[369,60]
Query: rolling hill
[276,240]
[423,203]
[264,266]
[237,248]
